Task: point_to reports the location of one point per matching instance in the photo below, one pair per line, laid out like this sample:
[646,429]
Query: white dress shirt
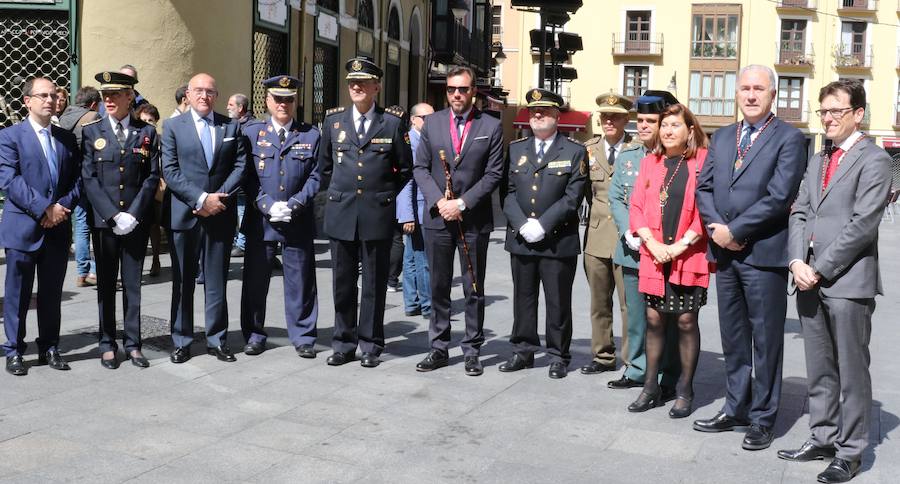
[369,115]
[126,124]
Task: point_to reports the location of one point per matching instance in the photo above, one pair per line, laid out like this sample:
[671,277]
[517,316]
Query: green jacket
[628,163]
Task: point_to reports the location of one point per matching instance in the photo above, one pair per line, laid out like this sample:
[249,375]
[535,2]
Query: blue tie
[206,142]
[745,141]
[540,152]
[50,153]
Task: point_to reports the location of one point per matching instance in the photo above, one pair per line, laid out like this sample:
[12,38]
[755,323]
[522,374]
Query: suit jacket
[410,201]
[601,235]
[473,178]
[281,172]
[25,178]
[119,178]
[549,191]
[188,176]
[755,200]
[840,224]
[363,175]
[628,165]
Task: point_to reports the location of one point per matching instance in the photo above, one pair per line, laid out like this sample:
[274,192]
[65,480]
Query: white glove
[532,231]
[280,212]
[633,242]
[125,223]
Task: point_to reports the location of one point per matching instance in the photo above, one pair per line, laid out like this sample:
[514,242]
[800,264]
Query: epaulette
[339,109]
[593,141]
[395,110]
[517,140]
[580,143]
[92,122]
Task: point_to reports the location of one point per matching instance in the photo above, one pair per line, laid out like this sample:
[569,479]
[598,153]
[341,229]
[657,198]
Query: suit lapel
[218,136]
[757,148]
[34,144]
[850,159]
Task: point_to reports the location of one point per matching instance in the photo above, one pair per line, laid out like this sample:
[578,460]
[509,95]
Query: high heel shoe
[682,411]
[645,401]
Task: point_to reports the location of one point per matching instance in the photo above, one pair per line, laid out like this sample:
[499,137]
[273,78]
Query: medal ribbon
[454,133]
[737,141]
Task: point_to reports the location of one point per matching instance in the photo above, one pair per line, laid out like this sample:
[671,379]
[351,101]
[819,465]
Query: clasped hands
[532,231]
[125,223]
[722,236]
[213,204]
[805,276]
[449,209]
[663,253]
[280,212]
[54,215]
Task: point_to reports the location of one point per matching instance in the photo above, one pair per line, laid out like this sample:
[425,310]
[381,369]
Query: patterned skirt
[678,299]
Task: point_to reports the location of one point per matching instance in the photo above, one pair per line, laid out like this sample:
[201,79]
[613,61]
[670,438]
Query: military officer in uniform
[546,184]
[626,257]
[120,170]
[281,182]
[601,234]
[365,160]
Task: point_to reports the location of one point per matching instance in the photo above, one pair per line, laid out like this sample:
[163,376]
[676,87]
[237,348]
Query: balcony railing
[795,115]
[455,44]
[637,44]
[849,7]
[801,4]
[852,57]
[787,58]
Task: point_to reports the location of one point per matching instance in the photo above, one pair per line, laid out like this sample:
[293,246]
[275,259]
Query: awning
[569,121]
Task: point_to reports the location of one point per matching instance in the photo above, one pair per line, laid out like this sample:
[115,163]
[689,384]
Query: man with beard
[546,183]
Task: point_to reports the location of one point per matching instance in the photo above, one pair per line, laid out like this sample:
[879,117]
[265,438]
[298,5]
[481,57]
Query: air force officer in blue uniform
[40,174]
[282,180]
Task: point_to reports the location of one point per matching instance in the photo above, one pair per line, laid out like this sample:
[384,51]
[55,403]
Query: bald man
[203,157]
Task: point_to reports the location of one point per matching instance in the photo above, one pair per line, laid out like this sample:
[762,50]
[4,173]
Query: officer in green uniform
[601,234]
[626,257]
[546,184]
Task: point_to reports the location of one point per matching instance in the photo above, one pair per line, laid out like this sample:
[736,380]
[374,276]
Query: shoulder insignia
[339,109]
[579,143]
[518,140]
[396,111]
[592,141]
[93,122]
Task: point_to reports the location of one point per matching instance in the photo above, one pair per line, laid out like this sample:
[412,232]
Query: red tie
[832,167]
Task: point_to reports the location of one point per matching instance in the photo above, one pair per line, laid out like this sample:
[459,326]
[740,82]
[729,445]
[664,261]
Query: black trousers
[396,257]
[440,247]
[111,252]
[367,330]
[557,276]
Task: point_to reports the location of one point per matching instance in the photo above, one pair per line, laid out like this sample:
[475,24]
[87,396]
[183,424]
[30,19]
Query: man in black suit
[121,173]
[203,158]
[365,160]
[471,143]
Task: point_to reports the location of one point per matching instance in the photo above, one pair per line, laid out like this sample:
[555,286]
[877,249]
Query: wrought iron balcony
[786,58]
[852,57]
[637,44]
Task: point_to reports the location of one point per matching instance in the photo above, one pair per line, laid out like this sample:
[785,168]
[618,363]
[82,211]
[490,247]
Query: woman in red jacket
[673,272]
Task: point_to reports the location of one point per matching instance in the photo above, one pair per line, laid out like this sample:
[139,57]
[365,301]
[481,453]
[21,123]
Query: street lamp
[459,8]
[501,56]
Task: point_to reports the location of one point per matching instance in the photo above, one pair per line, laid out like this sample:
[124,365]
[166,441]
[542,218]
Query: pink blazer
[689,269]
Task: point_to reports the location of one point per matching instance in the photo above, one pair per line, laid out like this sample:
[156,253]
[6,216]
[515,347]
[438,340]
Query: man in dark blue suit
[472,145]
[750,178]
[280,185]
[40,174]
[203,158]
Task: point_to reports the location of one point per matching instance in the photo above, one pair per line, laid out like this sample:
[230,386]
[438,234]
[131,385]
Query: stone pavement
[279,418]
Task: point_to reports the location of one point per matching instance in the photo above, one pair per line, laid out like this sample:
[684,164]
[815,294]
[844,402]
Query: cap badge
[536,96]
[106,77]
[356,65]
[612,100]
[284,82]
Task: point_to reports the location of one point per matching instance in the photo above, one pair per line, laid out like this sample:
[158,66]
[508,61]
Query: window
[791,48]
[712,93]
[365,37]
[496,22]
[897,107]
[790,98]
[853,43]
[392,69]
[637,33]
[635,80]
[715,36]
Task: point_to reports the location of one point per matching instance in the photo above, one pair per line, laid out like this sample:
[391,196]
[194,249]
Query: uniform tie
[612,155]
[540,152]
[120,134]
[832,167]
[206,142]
[50,153]
[362,127]
[281,136]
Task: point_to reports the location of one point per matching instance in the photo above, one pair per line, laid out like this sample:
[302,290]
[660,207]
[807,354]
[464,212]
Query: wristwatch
[686,241]
[461,204]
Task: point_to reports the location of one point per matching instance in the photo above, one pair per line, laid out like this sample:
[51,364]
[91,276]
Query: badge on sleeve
[99,144]
[342,136]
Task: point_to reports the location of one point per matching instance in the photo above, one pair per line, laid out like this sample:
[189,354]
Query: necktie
[460,126]
[362,127]
[832,167]
[745,141]
[120,134]
[50,152]
[206,142]
[281,136]
[540,152]
[612,155]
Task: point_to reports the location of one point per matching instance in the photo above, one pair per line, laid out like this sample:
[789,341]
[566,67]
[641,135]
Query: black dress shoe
[558,370]
[306,351]
[338,359]
[15,365]
[222,353]
[53,359]
[840,470]
[433,361]
[254,349]
[682,408]
[473,366]
[623,383]
[369,360]
[595,367]
[517,362]
[645,401]
[414,312]
[110,364]
[138,359]
[720,423]
[180,355]
[807,452]
[759,437]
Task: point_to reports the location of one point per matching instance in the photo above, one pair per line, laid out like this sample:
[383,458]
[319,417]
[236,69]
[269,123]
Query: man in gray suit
[203,158]
[834,259]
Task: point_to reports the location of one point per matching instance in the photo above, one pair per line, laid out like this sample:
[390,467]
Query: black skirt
[678,299]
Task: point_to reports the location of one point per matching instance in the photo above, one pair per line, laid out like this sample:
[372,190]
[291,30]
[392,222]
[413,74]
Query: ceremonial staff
[448,194]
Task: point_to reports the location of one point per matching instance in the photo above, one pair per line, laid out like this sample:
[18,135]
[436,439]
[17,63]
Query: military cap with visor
[115,81]
[613,103]
[654,102]
[362,68]
[282,85]
[538,97]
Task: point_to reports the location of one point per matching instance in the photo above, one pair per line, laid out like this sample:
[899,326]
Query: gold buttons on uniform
[532,214]
[281,172]
[122,152]
[121,168]
[281,188]
[360,151]
[121,187]
[359,191]
[359,164]
[535,174]
[121,203]
[534,187]
[359,177]
[532,201]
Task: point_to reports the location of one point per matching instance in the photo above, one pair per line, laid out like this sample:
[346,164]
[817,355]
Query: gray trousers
[836,336]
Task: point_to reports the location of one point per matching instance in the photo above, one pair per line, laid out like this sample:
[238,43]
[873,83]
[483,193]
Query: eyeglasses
[836,113]
[45,96]
[461,89]
[283,99]
[198,91]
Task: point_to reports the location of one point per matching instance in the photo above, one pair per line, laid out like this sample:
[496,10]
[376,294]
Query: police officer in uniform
[601,235]
[366,159]
[281,184]
[120,172]
[547,174]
